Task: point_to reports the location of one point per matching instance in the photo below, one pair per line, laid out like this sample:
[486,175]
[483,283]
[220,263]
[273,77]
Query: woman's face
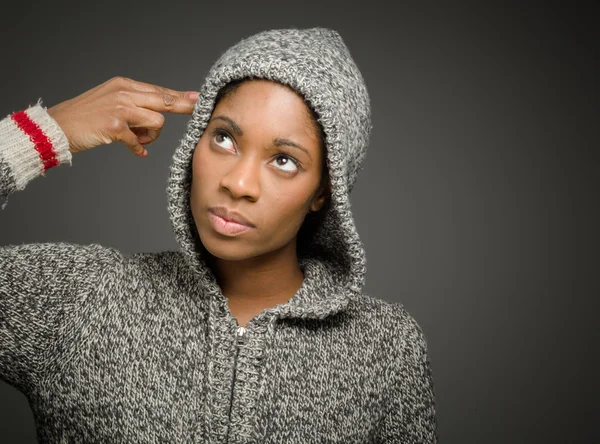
[259,156]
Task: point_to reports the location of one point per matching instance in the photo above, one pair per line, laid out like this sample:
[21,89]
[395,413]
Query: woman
[258,329]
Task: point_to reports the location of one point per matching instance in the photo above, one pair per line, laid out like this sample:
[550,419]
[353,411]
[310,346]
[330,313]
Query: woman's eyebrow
[280,142]
[276,142]
[236,128]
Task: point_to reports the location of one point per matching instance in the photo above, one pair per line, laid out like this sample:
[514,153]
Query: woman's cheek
[291,209]
[201,163]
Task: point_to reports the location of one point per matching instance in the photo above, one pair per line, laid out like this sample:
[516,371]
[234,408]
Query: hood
[316,63]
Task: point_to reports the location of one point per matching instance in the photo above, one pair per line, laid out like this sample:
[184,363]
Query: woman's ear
[318,203]
[321,197]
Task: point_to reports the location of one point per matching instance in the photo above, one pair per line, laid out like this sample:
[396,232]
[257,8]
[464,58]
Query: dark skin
[253,173]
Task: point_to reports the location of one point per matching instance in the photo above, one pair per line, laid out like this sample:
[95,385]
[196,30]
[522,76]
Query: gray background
[478,204]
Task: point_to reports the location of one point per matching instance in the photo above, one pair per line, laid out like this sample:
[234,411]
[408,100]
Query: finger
[142,135]
[145,135]
[162,102]
[153,134]
[148,87]
[138,117]
[130,139]
[145,124]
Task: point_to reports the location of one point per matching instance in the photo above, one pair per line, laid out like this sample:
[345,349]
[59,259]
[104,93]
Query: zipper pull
[240,334]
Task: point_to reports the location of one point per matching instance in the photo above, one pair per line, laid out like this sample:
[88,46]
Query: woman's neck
[262,281]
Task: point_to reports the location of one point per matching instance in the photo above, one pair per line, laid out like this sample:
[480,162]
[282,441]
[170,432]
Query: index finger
[162,102]
[186,96]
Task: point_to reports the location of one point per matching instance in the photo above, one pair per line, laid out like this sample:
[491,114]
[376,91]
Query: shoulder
[62,248]
[156,261]
[162,266]
[60,257]
[85,262]
[390,321]
[390,314]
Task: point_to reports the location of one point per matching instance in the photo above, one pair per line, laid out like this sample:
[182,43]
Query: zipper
[240,339]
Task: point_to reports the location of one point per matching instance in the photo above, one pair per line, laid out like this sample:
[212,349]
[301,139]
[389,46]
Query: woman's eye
[221,138]
[286,163]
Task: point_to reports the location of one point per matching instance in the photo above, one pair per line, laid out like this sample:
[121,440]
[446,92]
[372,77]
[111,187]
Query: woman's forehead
[270,103]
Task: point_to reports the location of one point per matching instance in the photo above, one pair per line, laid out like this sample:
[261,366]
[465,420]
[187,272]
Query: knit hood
[316,63]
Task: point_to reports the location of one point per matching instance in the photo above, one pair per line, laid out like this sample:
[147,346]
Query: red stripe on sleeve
[42,143]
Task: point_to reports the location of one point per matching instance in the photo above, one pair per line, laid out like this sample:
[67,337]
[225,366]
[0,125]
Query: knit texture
[142,347]
[27,151]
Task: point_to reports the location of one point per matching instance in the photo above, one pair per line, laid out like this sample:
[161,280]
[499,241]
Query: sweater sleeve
[410,417]
[31,142]
[42,288]
[41,284]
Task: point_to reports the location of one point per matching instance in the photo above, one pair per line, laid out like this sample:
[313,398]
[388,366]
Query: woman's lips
[225,226]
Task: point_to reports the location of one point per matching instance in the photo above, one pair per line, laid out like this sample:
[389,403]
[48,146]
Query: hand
[119,109]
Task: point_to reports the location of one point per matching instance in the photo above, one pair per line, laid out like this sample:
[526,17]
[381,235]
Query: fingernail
[193,95]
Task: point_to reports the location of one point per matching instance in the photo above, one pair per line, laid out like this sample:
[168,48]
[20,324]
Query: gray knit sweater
[111,347]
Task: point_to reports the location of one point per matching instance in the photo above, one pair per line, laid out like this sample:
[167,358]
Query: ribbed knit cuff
[31,142]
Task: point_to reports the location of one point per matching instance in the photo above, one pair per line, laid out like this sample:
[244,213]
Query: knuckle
[121,109]
[118,80]
[123,95]
[116,126]
[168,99]
[160,121]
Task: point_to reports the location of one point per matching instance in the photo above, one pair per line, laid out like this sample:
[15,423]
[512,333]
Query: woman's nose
[242,180]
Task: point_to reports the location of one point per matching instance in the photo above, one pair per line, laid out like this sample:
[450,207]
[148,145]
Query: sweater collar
[320,295]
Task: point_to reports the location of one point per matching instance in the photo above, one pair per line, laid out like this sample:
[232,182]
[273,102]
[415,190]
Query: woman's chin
[226,249]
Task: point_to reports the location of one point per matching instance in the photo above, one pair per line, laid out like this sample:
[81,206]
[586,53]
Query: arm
[31,142]
[410,417]
[42,288]
[41,284]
